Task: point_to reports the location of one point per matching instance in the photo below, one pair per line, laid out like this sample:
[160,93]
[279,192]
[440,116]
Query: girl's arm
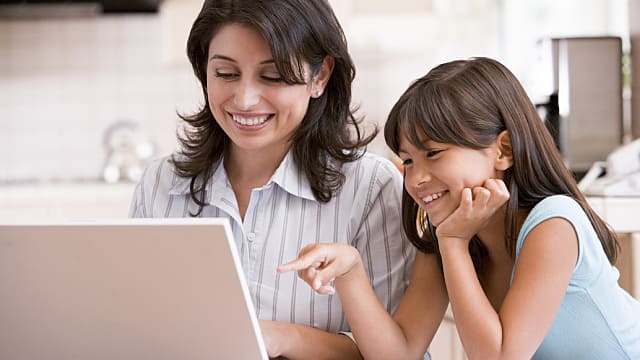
[542,275]
[379,336]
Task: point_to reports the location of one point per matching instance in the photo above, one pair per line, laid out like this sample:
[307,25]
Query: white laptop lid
[125,289]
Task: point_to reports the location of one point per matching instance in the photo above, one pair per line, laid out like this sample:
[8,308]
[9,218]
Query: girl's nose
[417,176]
[247,95]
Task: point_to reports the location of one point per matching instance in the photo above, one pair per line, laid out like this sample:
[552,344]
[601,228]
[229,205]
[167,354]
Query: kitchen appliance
[128,151]
[10,9]
[584,109]
[618,176]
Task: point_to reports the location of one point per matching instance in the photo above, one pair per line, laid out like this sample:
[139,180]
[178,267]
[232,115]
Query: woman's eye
[273,78]
[226,75]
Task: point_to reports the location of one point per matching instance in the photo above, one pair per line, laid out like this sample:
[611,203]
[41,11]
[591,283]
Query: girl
[504,234]
[277,150]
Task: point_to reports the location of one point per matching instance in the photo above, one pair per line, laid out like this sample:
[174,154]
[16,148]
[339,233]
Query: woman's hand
[476,207]
[320,264]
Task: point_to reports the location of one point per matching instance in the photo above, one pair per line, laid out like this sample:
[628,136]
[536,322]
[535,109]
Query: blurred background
[89,90]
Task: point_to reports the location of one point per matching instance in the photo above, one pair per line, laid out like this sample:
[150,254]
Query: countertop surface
[65,200]
[87,199]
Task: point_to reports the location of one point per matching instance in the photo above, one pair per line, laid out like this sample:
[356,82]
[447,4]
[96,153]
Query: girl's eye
[432,153]
[226,75]
[406,162]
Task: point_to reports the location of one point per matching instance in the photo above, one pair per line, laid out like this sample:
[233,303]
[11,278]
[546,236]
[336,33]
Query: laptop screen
[124,289]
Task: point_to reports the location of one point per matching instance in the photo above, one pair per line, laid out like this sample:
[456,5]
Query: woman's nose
[247,95]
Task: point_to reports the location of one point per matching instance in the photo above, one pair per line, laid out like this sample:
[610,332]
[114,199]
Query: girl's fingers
[319,264]
[303,262]
[320,285]
[493,192]
[320,279]
[326,290]
[308,274]
[481,194]
[295,265]
[311,256]
[309,249]
[316,279]
[466,198]
[498,191]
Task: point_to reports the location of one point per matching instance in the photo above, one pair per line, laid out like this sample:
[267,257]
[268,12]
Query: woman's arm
[301,341]
[379,336]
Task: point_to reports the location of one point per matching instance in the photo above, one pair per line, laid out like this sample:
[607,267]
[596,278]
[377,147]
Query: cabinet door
[446,343]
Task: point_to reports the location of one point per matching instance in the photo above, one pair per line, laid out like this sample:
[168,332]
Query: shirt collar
[181,185]
[292,179]
[288,176]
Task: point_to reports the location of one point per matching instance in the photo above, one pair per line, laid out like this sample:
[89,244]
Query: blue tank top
[597,318]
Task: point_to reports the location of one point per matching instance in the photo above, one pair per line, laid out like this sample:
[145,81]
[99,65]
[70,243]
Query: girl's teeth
[429,198]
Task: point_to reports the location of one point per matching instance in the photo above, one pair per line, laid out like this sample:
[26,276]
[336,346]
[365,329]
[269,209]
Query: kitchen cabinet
[446,343]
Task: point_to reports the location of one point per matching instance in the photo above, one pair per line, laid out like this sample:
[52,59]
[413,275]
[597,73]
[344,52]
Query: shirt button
[251,236]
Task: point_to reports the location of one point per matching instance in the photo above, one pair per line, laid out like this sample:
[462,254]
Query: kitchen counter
[91,200]
[622,215]
[620,212]
[65,200]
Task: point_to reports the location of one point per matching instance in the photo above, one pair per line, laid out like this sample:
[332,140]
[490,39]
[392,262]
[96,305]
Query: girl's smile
[429,201]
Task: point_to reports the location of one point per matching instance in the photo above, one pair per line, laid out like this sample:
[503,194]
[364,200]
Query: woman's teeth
[429,198]
[250,121]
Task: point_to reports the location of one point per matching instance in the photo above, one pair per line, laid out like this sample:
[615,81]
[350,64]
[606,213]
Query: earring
[318,93]
[422,219]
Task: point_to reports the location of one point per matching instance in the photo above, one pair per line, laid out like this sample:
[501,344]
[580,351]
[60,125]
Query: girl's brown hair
[468,103]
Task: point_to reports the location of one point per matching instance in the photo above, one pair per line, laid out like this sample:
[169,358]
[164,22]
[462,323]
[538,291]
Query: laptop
[124,289]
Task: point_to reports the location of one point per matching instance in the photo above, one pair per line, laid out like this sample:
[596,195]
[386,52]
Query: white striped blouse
[283,216]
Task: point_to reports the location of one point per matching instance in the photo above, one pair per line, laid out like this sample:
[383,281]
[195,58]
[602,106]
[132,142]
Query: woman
[277,150]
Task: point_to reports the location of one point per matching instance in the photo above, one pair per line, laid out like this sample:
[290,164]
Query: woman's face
[247,96]
[436,176]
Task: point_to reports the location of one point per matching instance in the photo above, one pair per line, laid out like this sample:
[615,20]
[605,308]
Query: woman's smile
[251,121]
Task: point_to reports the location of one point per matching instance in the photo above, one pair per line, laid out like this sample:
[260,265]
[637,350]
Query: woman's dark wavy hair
[468,103]
[298,32]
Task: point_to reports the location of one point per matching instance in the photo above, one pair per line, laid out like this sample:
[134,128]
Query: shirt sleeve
[136,208]
[148,184]
[386,254]
[589,261]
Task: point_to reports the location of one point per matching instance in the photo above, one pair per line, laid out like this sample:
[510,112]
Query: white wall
[64,82]
[395,42]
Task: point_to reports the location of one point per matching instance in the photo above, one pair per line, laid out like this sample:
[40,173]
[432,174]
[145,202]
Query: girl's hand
[320,264]
[477,206]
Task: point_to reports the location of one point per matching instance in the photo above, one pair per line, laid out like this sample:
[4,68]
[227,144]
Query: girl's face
[247,96]
[436,176]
